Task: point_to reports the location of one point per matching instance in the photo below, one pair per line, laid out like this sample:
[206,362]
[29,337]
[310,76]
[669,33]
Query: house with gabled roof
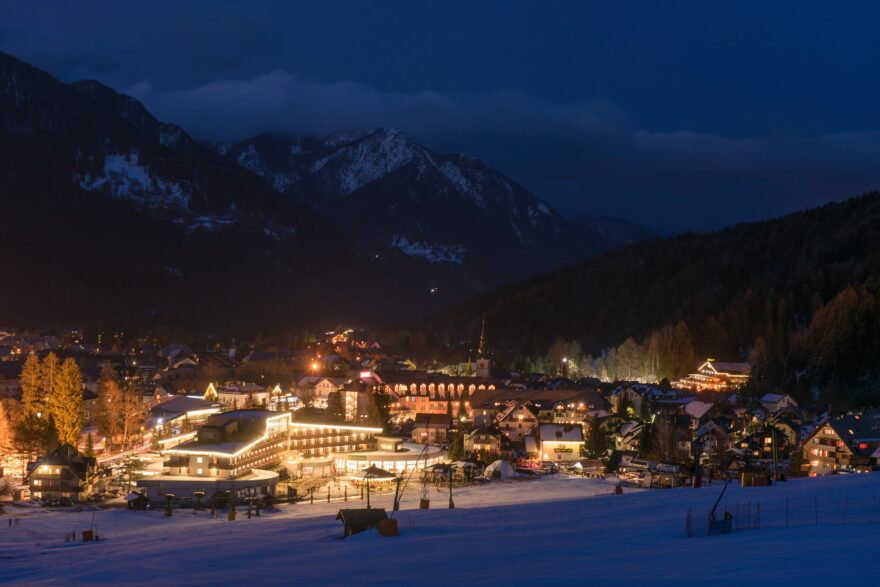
[431,428]
[776,402]
[64,473]
[557,443]
[484,439]
[842,443]
[517,420]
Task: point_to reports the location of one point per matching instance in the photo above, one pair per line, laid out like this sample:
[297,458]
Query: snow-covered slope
[545,532]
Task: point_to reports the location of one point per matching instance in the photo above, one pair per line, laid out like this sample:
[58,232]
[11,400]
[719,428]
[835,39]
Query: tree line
[797,296]
[51,410]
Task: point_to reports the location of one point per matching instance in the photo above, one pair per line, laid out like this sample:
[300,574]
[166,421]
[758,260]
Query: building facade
[62,474]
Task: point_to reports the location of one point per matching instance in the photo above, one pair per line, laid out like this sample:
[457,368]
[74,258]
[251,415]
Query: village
[167,427]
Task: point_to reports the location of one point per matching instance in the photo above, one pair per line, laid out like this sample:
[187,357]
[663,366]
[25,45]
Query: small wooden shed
[360,520]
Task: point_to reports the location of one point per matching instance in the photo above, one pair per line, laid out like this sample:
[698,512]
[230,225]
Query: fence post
[845,507]
[328,494]
[346,493]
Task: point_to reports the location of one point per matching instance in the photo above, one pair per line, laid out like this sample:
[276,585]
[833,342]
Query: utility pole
[775,460]
[451,504]
[397,493]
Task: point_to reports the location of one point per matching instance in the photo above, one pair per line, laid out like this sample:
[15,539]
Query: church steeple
[481,349]
[484,365]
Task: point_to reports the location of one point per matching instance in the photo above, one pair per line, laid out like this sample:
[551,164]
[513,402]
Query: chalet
[517,420]
[239,394]
[608,424]
[716,376]
[484,407]
[431,428]
[766,444]
[318,389]
[711,441]
[788,428]
[62,474]
[639,397]
[698,412]
[842,443]
[559,443]
[574,409]
[627,437]
[484,439]
[625,397]
[776,402]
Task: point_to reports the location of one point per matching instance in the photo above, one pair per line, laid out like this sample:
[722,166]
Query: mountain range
[116,217]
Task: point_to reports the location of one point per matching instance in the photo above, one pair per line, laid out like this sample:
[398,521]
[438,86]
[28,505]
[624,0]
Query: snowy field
[517,533]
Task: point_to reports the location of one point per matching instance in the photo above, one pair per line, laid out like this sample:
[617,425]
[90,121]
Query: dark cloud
[584,157]
[677,116]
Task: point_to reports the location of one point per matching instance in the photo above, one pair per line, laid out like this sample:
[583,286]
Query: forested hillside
[795,295]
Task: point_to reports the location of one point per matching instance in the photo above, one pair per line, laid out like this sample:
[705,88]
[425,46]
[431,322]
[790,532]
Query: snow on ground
[533,532]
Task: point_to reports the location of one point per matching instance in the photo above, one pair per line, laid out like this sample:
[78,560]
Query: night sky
[673,114]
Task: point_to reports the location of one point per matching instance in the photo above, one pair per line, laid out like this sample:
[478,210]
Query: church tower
[484,365]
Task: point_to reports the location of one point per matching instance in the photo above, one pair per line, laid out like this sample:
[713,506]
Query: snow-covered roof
[560,433]
[697,409]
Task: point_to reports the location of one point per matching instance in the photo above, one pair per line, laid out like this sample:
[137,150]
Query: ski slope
[533,532]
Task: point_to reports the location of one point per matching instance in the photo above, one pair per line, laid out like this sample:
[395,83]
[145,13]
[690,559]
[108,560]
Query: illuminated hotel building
[238,451]
[712,376]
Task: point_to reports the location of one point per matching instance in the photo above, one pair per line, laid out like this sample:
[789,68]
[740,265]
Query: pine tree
[596,445]
[48,381]
[646,440]
[456,447]
[32,397]
[90,446]
[5,433]
[33,436]
[110,403]
[132,413]
[65,403]
[335,407]
[374,411]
